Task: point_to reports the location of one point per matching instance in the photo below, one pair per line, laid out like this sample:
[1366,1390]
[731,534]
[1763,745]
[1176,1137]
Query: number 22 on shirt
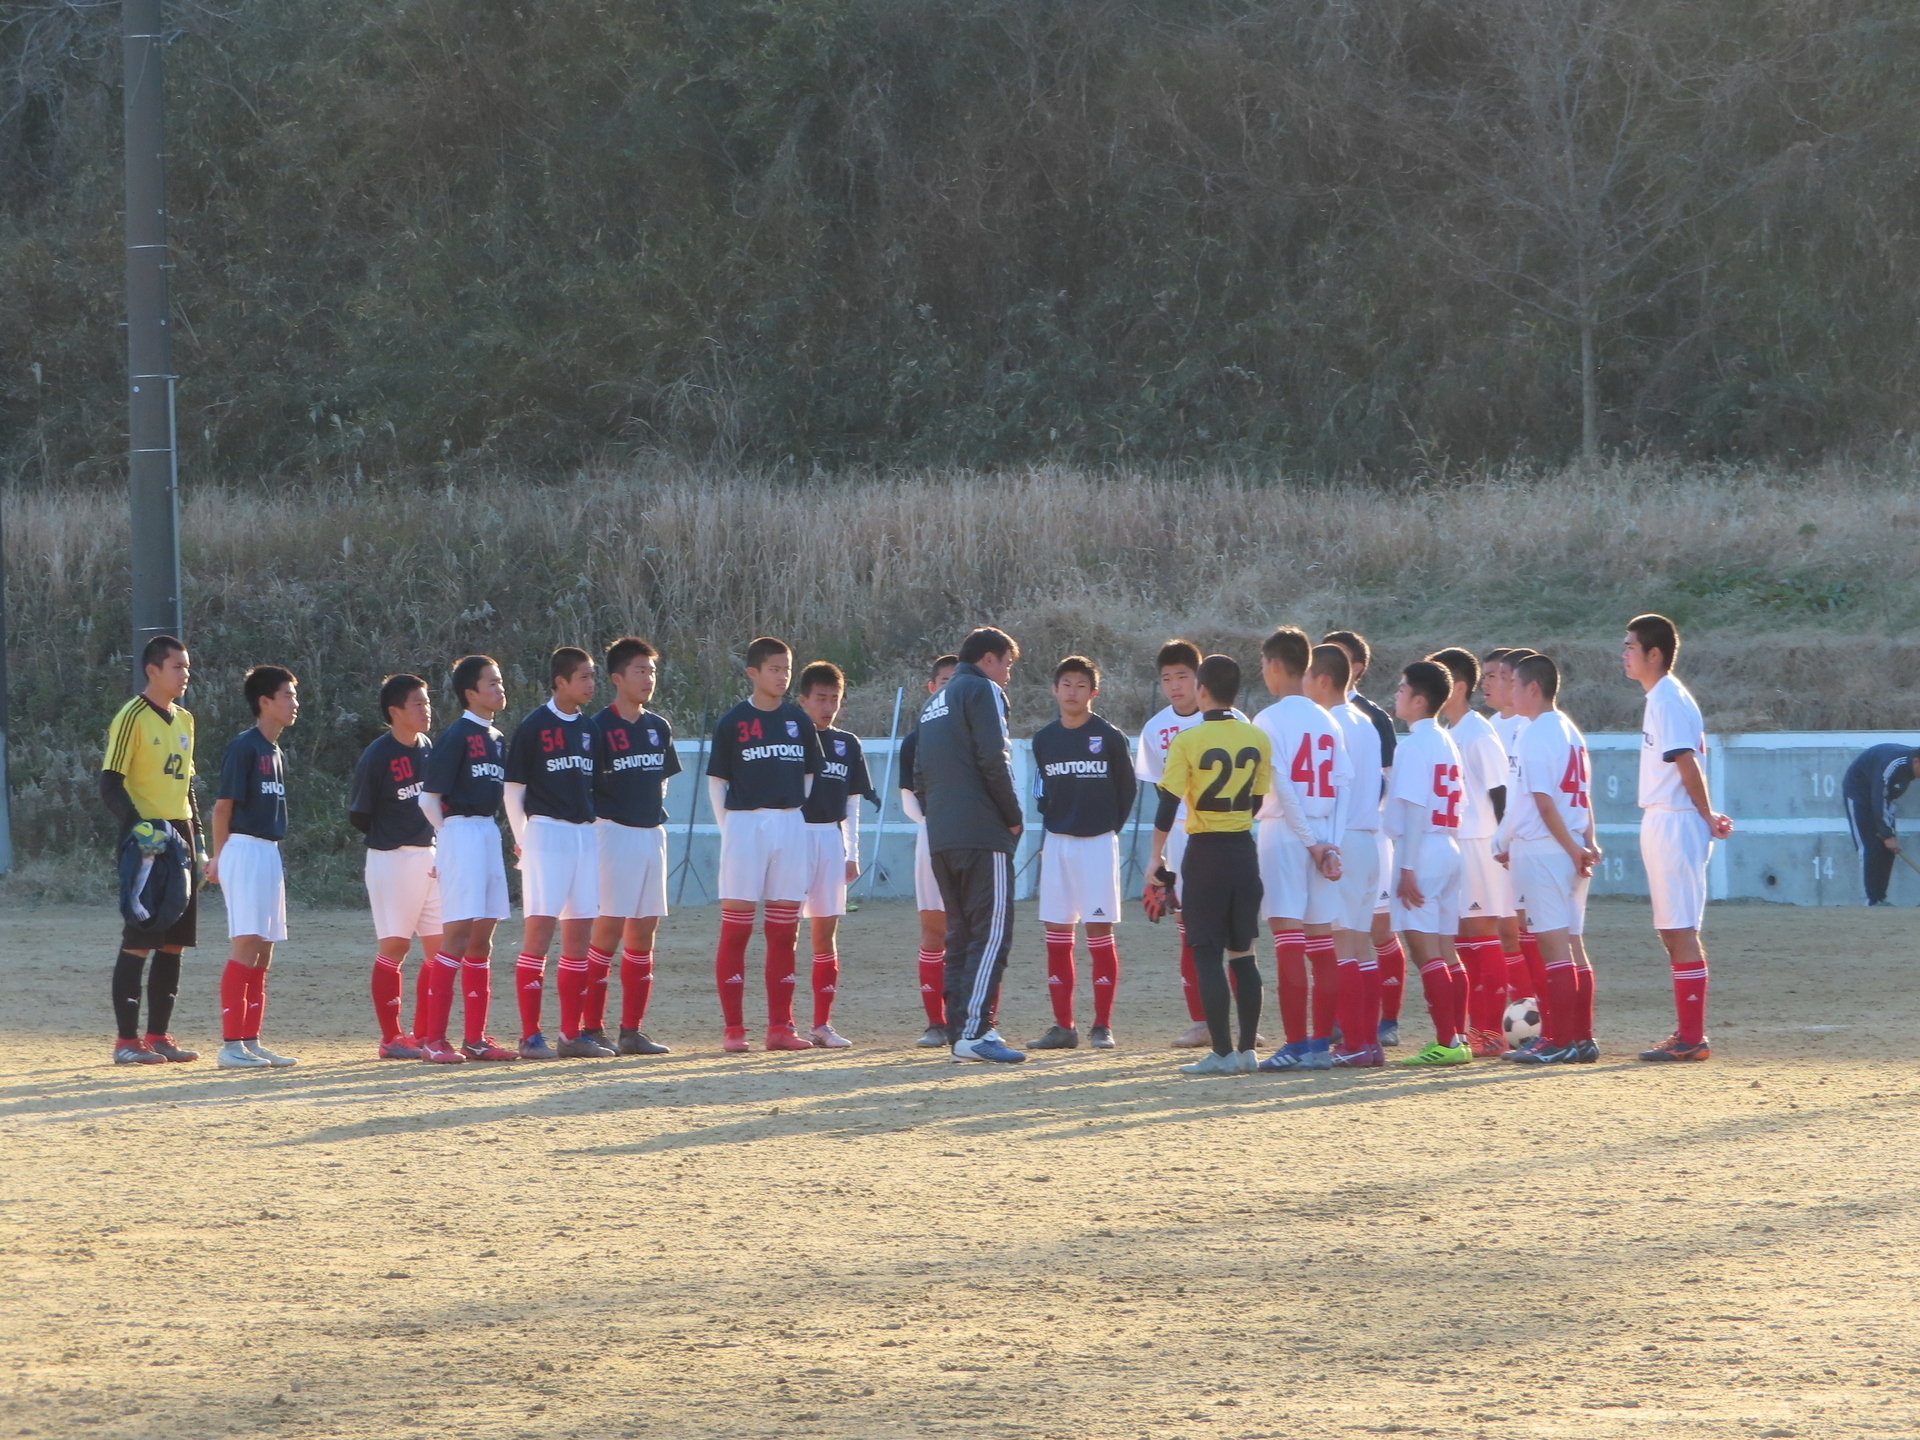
[1225,768]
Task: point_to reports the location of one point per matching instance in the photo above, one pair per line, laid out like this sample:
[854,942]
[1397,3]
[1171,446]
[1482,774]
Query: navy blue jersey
[253,778]
[903,768]
[765,756]
[467,768]
[1083,778]
[1383,722]
[632,762]
[386,793]
[843,772]
[552,755]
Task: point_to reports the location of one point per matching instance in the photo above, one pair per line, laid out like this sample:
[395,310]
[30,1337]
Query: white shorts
[763,855]
[1359,883]
[1486,886]
[1548,884]
[926,889]
[1383,867]
[633,869]
[1674,846]
[1438,876]
[1293,888]
[826,872]
[473,877]
[1080,880]
[404,892]
[254,888]
[560,869]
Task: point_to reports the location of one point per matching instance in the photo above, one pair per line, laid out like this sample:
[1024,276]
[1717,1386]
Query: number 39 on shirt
[1446,788]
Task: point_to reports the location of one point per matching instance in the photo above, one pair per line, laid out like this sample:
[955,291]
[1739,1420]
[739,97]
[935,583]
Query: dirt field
[881,1243]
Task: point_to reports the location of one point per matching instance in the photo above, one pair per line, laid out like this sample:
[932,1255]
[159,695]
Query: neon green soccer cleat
[1438,1054]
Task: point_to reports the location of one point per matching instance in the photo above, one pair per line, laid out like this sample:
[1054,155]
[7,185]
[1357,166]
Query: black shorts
[1220,890]
[184,931]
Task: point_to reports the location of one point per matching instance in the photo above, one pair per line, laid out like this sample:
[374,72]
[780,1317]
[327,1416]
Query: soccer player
[1872,787]
[1358,988]
[1677,828]
[402,889]
[1084,780]
[466,774]
[1423,812]
[832,815]
[765,757]
[926,889]
[549,798]
[1389,957]
[1551,849]
[249,822]
[1301,826]
[146,778]
[1495,676]
[1486,889]
[634,758]
[1221,769]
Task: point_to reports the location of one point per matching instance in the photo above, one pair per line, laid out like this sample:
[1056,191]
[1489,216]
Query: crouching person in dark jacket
[963,776]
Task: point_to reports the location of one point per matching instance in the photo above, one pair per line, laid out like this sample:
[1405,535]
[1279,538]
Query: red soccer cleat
[136,1052]
[1486,1044]
[486,1048]
[734,1042]
[402,1047]
[439,1052]
[785,1037]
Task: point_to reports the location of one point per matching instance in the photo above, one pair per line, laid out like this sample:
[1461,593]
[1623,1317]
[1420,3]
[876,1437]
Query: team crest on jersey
[1093,744]
[653,737]
[793,729]
[839,747]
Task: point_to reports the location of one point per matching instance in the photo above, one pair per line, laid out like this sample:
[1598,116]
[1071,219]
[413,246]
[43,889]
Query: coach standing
[963,777]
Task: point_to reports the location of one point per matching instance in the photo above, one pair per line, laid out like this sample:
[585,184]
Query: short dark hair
[1540,670]
[394,691]
[1430,682]
[987,641]
[1331,661]
[945,662]
[759,649]
[1656,632]
[1177,652]
[156,651]
[1219,676]
[1290,646]
[627,649]
[1353,642]
[1460,663]
[263,682]
[564,661]
[1516,655]
[466,675]
[1496,655]
[822,672]
[1078,665]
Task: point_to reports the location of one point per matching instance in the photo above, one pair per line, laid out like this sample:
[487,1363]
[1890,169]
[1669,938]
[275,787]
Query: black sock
[1246,996]
[1216,999]
[126,993]
[163,983]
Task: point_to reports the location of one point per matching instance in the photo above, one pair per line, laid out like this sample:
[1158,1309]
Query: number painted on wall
[1823,867]
[1825,786]
[1613,787]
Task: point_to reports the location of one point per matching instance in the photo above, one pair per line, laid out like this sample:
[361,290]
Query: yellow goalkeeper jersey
[1221,768]
[153,753]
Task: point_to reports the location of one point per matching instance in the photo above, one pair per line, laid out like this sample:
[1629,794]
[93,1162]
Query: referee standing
[963,778]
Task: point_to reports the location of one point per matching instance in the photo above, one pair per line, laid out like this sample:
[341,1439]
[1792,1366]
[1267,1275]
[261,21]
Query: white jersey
[1309,754]
[1483,766]
[1363,756]
[1426,772]
[1670,726]
[1150,751]
[1510,728]
[1553,762]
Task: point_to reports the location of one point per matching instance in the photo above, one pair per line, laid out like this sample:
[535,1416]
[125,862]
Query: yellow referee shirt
[153,753]
[1221,768]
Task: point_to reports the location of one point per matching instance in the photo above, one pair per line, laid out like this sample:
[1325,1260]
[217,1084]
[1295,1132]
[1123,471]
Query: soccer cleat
[1672,1050]
[535,1047]
[1365,1058]
[1486,1044]
[1588,1052]
[1214,1063]
[785,1037]
[825,1037]
[1058,1037]
[1389,1035]
[163,1046]
[582,1047]
[935,1038]
[489,1049]
[1101,1037]
[1248,1060]
[440,1052]
[1437,1054]
[987,1047]
[402,1047]
[235,1056]
[599,1037]
[1550,1055]
[1290,1056]
[1196,1035]
[635,1042]
[1319,1056]
[1525,1047]
[136,1052]
[734,1040]
[279,1062]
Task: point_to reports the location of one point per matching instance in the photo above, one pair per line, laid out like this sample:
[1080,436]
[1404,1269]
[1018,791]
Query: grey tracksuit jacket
[963,768]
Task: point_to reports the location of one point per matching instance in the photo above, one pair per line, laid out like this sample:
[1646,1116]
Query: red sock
[1537,981]
[1190,979]
[439,974]
[1103,953]
[1519,978]
[1392,963]
[730,964]
[1290,964]
[933,985]
[1690,1001]
[1583,1000]
[1462,994]
[1325,965]
[1437,983]
[826,984]
[782,929]
[636,987]
[1563,1009]
[571,980]
[1486,967]
[1359,1017]
[476,997]
[422,993]
[530,984]
[599,973]
[386,996]
[1370,980]
[1060,976]
[233,1001]
[256,1001]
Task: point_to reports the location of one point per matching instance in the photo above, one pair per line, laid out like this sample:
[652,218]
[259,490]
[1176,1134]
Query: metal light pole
[6,820]
[153,468]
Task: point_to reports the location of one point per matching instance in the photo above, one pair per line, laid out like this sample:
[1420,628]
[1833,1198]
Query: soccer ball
[1521,1022]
